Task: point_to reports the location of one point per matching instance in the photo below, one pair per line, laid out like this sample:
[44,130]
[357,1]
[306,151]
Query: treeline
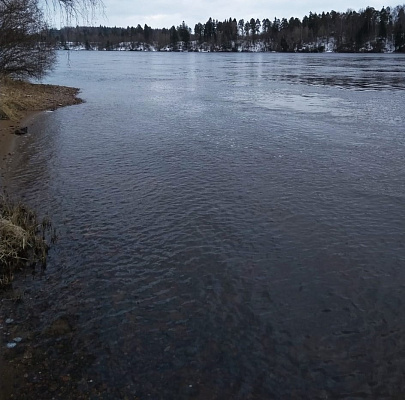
[350,31]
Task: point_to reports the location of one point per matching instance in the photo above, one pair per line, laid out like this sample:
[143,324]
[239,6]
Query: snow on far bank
[323,44]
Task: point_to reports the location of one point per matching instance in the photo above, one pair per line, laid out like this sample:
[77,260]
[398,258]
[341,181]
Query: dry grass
[18,97]
[23,239]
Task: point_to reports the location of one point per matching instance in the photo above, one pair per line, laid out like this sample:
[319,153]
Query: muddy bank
[21,101]
[19,97]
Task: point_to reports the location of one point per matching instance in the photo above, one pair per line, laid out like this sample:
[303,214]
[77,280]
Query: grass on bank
[18,97]
[24,239]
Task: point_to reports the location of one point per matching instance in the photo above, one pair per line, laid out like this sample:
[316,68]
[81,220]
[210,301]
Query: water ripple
[235,234]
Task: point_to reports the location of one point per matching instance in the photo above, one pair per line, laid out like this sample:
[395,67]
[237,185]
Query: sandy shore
[21,101]
[6,140]
[7,136]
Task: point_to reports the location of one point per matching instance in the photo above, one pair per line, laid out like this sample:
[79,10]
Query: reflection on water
[357,72]
[227,228]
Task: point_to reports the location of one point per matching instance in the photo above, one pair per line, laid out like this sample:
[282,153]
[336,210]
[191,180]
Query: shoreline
[7,136]
[21,102]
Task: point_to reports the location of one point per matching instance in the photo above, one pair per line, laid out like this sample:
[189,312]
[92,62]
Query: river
[231,226]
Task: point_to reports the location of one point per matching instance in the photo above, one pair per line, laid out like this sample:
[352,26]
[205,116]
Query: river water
[231,226]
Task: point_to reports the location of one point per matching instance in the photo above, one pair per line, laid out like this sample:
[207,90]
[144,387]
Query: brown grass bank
[20,99]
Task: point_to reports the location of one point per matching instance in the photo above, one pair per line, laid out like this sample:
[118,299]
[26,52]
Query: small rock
[21,131]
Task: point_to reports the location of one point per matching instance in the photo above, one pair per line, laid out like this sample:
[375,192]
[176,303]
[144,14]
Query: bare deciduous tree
[24,51]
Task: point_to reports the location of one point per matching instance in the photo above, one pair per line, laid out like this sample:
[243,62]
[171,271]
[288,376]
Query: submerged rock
[21,131]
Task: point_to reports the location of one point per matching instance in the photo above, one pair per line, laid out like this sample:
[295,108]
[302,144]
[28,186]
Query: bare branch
[24,51]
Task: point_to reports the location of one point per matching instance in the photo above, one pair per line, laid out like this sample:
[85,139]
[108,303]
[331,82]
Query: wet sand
[7,136]
[24,101]
[6,139]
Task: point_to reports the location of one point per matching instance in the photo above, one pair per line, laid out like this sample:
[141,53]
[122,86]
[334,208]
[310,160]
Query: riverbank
[20,101]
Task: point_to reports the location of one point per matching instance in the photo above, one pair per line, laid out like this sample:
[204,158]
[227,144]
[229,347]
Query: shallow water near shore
[230,226]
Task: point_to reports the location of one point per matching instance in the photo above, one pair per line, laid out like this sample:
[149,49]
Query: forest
[367,30]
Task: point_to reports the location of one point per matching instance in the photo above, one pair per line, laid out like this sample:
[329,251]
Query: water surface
[231,225]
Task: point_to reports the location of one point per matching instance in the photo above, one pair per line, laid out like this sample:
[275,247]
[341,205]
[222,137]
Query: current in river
[231,226]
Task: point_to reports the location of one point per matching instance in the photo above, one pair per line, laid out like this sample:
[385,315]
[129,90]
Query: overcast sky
[165,13]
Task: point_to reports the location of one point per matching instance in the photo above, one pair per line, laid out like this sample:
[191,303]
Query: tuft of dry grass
[23,239]
[17,97]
